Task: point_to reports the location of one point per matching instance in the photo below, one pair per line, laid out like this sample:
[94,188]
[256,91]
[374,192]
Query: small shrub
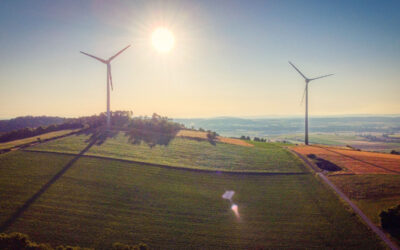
[390,221]
[122,246]
[211,136]
[311,156]
[20,241]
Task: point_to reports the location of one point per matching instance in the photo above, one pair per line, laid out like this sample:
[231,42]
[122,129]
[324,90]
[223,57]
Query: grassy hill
[186,153]
[91,202]
[15,143]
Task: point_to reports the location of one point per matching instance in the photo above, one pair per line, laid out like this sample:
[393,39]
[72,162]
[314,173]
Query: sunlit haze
[162,39]
[199,58]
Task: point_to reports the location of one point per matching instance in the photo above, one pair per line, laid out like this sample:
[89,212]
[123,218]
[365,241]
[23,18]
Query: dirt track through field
[369,223]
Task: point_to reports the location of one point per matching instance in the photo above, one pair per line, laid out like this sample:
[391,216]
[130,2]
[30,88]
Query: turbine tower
[109,79]
[307,80]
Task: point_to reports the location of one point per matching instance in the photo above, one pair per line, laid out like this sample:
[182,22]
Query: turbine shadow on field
[45,187]
[151,138]
[135,136]
[99,135]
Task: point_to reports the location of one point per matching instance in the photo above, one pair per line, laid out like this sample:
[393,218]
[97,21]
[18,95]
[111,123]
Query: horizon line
[230,116]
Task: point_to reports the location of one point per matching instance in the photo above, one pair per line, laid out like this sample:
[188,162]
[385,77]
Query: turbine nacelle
[305,94]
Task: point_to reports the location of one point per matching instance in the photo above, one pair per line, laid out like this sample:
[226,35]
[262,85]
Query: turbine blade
[114,56]
[298,70]
[95,57]
[320,77]
[304,94]
[109,74]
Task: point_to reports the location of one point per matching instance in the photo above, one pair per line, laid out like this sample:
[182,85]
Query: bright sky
[229,58]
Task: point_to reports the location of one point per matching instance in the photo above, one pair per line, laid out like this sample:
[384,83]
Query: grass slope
[45,136]
[372,193]
[186,153]
[97,202]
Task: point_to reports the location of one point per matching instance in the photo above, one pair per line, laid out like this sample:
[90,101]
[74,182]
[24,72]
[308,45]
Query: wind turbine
[307,80]
[109,78]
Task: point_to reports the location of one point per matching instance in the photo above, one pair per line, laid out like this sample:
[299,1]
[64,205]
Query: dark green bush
[121,246]
[20,241]
[390,221]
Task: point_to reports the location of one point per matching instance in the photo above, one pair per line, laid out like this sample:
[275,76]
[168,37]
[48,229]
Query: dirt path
[371,225]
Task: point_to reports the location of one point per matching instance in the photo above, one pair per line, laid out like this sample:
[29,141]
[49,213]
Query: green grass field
[50,135]
[185,153]
[372,193]
[331,139]
[97,202]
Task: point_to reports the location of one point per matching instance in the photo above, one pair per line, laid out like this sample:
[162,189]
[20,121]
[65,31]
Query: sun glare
[162,39]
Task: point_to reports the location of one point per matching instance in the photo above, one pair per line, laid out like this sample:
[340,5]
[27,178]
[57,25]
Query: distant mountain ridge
[29,122]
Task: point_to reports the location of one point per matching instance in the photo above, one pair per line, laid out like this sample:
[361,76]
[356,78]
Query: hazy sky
[230,57]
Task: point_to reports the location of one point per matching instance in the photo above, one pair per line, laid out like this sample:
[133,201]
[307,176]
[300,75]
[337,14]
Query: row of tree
[156,130]
[247,138]
[118,118]
[22,242]
[29,132]
[29,122]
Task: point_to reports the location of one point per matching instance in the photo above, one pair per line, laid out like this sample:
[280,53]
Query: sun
[162,39]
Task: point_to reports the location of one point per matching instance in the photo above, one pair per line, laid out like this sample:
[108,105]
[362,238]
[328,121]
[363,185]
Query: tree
[211,136]
[390,221]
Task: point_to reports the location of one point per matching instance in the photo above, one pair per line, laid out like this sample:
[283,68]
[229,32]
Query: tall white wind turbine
[307,80]
[109,79]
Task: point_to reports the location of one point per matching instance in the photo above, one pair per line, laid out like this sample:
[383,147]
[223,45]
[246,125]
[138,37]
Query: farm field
[343,139]
[372,193]
[353,161]
[45,136]
[203,135]
[105,201]
[370,180]
[185,153]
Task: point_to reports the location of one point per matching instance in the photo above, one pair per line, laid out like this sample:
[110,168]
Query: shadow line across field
[43,189]
[98,139]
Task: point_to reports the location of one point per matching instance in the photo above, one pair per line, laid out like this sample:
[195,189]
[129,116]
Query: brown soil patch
[203,136]
[353,161]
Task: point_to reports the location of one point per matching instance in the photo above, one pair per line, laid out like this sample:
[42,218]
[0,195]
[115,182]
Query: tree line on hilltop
[247,138]
[29,122]
[150,129]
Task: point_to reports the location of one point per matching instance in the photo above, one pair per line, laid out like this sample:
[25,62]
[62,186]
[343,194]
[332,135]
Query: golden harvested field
[353,161]
[46,136]
[203,136]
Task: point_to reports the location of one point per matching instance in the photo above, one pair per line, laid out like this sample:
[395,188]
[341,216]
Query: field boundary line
[360,213]
[204,170]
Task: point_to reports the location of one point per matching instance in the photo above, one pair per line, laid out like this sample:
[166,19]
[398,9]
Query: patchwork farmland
[103,193]
[371,180]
